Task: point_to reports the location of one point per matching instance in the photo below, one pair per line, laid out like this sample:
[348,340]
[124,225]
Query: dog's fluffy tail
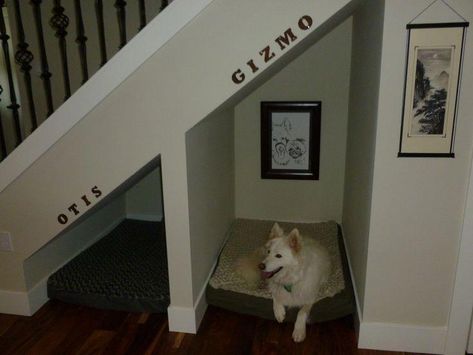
[247,268]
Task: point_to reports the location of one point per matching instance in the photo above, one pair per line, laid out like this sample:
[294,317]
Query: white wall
[417,204]
[320,74]
[210,172]
[404,245]
[470,341]
[361,139]
[144,200]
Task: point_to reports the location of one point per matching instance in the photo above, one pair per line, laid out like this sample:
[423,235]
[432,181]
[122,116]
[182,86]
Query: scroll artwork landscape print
[433,70]
[431,89]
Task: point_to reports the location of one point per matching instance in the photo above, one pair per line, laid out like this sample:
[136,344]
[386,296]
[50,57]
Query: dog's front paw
[279,312]
[298,334]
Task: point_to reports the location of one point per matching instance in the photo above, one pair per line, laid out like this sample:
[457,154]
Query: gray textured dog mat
[226,289]
[125,270]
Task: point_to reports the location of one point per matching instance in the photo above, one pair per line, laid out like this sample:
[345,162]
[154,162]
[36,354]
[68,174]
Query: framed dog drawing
[290,140]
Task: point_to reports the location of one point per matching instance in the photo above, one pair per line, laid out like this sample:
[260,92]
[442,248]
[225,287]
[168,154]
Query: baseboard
[392,336]
[187,319]
[24,303]
[358,317]
[14,302]
[182,319]
[28,302]
[402,337]
[145,217]
[38,295]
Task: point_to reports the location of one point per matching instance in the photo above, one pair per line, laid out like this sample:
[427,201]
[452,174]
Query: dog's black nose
[262,266]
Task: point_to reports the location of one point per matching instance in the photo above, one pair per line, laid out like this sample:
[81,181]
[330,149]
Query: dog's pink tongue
[266,274]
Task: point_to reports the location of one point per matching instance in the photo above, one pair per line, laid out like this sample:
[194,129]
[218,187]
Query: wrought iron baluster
[3,138]
[142,7]
[24,57]
[164,4]
[120,5]
[45,73]
[59,22]
[81,41]
[14,107]
[101,29]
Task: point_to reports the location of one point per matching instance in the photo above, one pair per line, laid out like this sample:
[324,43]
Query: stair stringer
[149,114]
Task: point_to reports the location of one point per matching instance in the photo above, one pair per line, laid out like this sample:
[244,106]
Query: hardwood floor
[59,328]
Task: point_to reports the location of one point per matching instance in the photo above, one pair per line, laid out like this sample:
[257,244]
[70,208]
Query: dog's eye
[278,256]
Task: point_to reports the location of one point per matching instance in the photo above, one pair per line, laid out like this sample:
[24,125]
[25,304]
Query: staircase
[57,45]
[196,58]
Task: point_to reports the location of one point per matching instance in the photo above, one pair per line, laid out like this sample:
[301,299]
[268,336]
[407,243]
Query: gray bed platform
[226,291]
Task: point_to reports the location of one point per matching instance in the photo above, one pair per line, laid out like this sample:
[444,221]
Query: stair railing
[16,124]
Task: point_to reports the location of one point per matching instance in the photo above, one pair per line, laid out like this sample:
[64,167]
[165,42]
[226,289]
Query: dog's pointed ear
[287,124]
[295,240]
[276,231]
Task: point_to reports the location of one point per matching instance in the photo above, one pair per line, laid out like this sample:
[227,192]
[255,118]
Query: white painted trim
[24,303]
[359,315]
[14,302]
[469,349]
[462,299]
[200,307]
[145,217]
[187,319]
[201,302]
[402,337]
[38,295]
[159,31]
[182,319]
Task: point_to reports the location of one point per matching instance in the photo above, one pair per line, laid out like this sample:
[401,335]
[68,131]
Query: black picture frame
[431,89]
[290,139]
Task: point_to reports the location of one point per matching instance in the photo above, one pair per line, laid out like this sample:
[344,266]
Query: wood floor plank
[24,333]
[143,318]
[124,336]
[178,340]
[54,336]
[161,342]
[149,333]
[59,328]
[96,343]
[85,321]
[113,320]
[6,321]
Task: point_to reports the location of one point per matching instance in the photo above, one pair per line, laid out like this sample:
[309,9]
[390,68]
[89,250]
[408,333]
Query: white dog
[295,268]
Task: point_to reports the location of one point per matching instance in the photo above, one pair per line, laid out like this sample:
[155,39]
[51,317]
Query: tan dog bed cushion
[227,289]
